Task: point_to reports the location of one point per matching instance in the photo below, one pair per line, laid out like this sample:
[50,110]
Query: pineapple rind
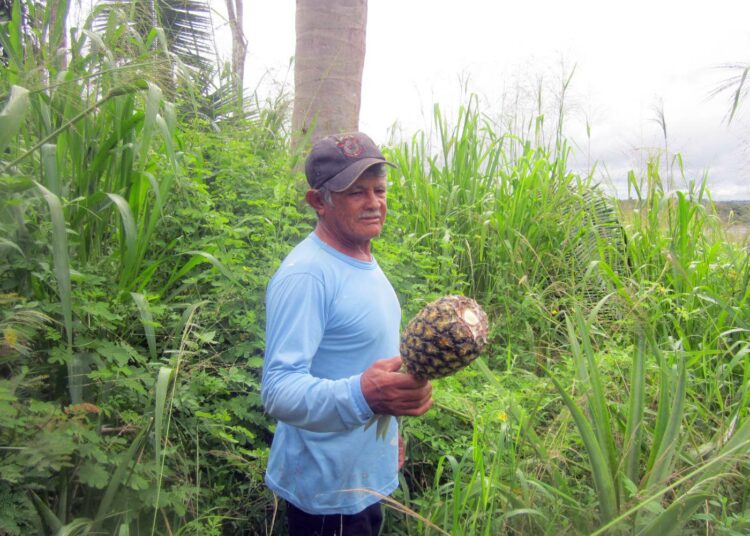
[445,336]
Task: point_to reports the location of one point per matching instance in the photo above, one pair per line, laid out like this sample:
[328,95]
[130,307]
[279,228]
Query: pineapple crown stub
[445,336]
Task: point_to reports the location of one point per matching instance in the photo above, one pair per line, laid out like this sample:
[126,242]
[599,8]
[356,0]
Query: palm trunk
[239,46]
[329,60]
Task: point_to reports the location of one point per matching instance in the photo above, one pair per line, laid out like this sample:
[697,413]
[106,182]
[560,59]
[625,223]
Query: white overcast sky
[630,57]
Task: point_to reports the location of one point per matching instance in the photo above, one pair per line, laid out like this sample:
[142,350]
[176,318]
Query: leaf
[634,426]
[51,521]
[605,486]
[123,468]
[130,237]
[11,118]
[93,474]
[62,274]
[148,322]
[60,257]
[49,168]
[153,99]
[160,408]
[113,352]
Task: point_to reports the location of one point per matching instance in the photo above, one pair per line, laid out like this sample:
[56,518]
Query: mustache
[370,214]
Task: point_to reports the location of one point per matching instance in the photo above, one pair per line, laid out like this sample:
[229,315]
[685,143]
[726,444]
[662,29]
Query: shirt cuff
[364,413]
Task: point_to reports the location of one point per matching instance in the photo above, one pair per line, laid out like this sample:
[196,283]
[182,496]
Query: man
[332,344]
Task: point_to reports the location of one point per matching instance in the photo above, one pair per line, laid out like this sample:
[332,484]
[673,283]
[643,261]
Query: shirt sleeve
[295,323]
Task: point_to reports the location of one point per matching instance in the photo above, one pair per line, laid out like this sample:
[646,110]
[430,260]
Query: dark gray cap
[337,161]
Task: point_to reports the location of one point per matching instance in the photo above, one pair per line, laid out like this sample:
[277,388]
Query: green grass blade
[183,325]
[597,402]
[166,134]
[148,322]
[216,263]
[11,118]
[673,519]
[160,410]
[153,99]
[605,485]
[163,381]
[197,258]
[662,466]
[662,412]
[61,261]
[130,234]
[123,468]
[49,169]
[634,425]
[48,517]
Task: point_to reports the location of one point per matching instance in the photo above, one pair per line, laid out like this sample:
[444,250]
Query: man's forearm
[315,404]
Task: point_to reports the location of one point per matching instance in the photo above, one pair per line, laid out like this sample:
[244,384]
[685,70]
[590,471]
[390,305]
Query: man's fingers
[415,409]
[390,392]
[391,364]
[416,412]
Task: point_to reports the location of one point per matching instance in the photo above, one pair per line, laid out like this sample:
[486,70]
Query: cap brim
[345,178]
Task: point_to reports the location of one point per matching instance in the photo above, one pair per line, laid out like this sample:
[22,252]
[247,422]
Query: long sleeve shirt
[328,318]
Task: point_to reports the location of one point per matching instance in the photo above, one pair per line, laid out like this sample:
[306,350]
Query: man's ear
[315,200]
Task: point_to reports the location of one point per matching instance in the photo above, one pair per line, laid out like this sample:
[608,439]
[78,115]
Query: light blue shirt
[328,318]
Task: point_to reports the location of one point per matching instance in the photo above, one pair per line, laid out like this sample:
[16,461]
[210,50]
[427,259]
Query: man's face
[358,213]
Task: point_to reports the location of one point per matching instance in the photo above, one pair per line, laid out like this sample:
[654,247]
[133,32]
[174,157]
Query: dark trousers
[365,523]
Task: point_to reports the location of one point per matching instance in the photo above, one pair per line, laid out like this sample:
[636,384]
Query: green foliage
[137,237]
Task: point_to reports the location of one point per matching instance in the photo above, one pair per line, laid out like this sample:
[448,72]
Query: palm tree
[186,23]
[216,93]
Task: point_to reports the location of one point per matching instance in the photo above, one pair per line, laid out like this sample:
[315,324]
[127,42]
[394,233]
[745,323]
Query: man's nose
[372,198]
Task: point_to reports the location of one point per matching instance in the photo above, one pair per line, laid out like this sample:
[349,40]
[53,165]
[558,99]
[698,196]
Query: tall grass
[512,218]
[570,280]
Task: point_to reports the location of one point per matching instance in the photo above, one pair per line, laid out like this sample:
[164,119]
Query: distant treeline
[736,212]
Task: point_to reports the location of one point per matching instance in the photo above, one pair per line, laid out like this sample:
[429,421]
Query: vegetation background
[145,206]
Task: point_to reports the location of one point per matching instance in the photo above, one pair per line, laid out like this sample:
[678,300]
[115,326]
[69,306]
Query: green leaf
[51,521]
[93,474]
[49,168]
[605,485]
[11,118]
[123,469]
[62,274]
[160,409]
[130,236]
[148,322]
[113,352]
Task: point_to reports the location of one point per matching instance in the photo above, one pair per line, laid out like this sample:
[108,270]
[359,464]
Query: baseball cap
[337,161]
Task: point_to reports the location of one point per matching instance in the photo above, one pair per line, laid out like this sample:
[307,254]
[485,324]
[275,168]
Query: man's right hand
[390,392]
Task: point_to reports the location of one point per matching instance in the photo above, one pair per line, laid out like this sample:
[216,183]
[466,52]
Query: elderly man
[332,344]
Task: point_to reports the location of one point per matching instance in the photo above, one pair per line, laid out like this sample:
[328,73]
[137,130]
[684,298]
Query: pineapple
[444,337]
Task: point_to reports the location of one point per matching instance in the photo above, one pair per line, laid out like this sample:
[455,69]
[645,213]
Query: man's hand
[390,392]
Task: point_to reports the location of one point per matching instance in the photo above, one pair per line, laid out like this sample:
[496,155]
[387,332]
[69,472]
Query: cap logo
[350,146]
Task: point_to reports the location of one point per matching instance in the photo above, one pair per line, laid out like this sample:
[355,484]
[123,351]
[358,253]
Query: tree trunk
[239,46]
[329,58]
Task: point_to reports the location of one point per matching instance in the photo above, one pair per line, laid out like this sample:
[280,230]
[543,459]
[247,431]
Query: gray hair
[325,194]
[377,170]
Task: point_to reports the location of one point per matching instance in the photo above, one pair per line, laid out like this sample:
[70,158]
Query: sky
[632,61]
